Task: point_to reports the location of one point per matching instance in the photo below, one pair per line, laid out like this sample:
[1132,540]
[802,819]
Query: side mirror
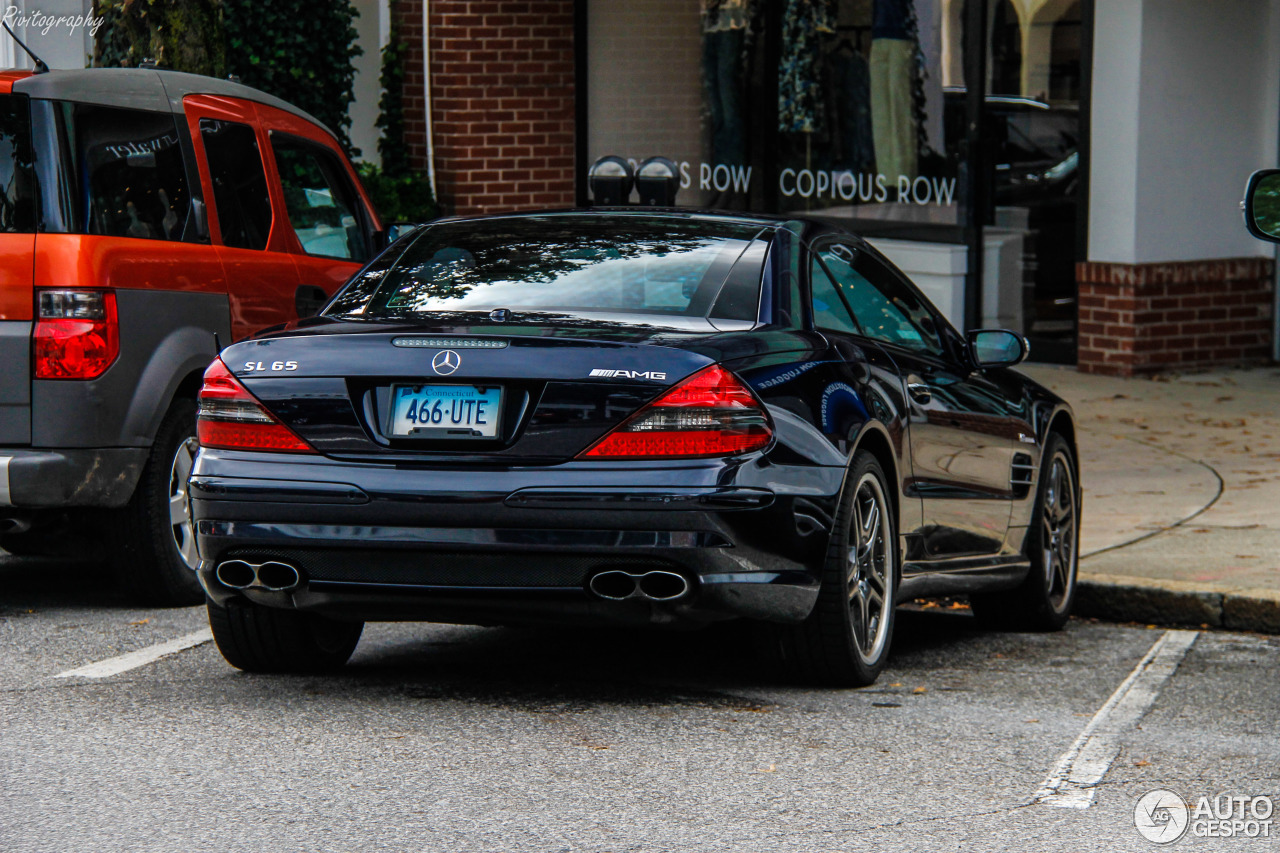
[997,348]
[1261,205]
[393,232]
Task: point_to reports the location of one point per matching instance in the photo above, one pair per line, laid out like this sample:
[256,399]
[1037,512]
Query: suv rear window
[557,264]
[19,202]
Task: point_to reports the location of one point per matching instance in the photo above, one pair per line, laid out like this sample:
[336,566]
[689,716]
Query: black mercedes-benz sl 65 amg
[628,416]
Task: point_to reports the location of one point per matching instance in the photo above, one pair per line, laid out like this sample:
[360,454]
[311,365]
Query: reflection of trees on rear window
[570,263]
[136,179]
[17,178]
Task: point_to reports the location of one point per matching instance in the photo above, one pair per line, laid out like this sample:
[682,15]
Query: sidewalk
[1181,478]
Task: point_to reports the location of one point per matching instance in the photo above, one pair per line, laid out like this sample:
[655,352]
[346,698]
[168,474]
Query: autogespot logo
[446,362]
[1161,816]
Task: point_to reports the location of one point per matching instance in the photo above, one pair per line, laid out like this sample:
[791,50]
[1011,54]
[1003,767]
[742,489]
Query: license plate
[445,411]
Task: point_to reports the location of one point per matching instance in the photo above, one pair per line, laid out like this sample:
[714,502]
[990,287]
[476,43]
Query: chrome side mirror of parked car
[997,347]
[1261,205]
[393,232]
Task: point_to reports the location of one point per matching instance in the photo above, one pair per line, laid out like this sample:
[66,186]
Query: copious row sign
[834,185]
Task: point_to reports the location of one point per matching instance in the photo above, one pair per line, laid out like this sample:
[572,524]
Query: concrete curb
[1121,598]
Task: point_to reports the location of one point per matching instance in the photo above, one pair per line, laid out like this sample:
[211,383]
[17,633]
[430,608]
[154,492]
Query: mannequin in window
[893,57]
[724,27]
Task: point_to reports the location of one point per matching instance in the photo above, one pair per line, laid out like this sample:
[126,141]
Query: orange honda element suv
[146,218]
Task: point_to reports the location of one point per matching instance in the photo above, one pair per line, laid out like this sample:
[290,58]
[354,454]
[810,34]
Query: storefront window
[857,110]
[835,106]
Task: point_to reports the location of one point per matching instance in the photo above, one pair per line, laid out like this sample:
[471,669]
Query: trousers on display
[892,124]
[722,79]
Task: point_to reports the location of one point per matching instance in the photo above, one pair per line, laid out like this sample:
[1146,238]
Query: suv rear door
[247,223]
[18,208]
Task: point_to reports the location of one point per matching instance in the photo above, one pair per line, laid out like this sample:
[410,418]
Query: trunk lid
[564,381]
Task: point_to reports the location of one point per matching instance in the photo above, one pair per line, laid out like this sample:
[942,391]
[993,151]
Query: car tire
[1043,601]
[152,539]
[845,640]
[265,639]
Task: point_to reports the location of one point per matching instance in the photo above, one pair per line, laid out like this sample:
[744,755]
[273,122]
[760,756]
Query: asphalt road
[458,739]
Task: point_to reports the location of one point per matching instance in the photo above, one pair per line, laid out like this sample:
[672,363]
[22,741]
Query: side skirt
[962,576]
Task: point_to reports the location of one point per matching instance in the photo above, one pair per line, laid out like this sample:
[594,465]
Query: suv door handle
[919,391]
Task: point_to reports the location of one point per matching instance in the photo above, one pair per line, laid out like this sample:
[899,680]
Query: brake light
[77,334]
[230,418]
[712,413]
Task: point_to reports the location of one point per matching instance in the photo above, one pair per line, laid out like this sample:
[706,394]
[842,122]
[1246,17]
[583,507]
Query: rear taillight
[77,334]
[230,418]
[712,413]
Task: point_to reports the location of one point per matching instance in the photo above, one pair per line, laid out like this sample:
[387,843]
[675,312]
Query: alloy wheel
[184,536]
[870,569]
[1058,531]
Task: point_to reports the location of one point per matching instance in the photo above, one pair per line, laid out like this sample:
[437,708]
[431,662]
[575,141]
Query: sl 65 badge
[260,366]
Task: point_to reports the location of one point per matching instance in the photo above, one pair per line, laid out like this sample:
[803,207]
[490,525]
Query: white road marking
[142,657]
[5,497]
[1073,780]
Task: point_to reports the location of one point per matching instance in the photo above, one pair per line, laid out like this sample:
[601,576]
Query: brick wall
[502,101]
[1143,318]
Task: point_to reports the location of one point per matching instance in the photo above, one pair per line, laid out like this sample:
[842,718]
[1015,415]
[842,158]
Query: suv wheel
[152,540]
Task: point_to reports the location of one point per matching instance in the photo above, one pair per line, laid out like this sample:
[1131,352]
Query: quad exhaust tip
[619,585]
[271,575]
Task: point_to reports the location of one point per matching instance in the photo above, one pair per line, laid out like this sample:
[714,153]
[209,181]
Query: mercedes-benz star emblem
[446,362]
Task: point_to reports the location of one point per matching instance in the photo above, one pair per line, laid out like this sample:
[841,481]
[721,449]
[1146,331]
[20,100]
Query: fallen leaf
[919,690]
[772,768]
[140,622]
[1143,763]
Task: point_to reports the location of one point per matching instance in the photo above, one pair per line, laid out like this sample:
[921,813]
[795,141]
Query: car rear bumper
[380,542]
[80,477]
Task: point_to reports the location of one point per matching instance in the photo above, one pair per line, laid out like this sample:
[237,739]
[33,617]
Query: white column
[372,31]
[1184,107]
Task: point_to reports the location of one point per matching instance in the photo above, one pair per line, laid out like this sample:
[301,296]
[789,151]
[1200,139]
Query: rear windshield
[559,264]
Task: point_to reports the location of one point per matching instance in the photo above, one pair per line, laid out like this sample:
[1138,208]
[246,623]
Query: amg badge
[627,374]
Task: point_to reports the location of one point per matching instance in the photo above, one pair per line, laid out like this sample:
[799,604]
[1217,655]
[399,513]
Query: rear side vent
[1022,476]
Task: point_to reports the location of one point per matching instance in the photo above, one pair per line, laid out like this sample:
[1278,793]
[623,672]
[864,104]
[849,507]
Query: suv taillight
[77,334]
[712,413]
[230,418]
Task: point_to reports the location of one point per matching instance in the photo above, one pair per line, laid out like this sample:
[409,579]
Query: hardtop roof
[143,89]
